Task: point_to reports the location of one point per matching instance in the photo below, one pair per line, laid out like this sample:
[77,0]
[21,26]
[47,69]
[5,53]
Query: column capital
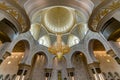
[6,55]
[48,69]
[70,69]
[111,53]
[24,66]
[94,64]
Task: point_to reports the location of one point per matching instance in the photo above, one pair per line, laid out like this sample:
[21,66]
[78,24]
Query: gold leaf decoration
[12,11]
[115,5]
[105,11]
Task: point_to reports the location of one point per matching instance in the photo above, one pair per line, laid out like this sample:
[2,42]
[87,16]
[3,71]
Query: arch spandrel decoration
[17,13]
[101,12]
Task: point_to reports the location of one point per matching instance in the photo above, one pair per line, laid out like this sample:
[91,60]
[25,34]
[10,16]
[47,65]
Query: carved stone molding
[17,13]
[101,12]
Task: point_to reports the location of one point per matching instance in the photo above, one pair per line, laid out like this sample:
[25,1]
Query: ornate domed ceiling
[65,18]
[59,19]
[56,20]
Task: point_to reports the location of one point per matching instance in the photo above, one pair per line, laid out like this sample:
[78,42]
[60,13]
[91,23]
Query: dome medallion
[58,19]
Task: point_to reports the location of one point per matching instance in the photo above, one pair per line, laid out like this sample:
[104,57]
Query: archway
[11,64]
[59,69]
[39,62]
[9,32]
[107,64]
[80,66]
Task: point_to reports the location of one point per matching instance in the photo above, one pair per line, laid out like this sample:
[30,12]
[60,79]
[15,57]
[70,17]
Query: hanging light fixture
[59,49]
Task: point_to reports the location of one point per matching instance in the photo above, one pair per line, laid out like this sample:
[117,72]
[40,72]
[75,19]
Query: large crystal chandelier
[59,49]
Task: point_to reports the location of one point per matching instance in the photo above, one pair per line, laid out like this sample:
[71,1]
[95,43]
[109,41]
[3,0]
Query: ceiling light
[59,49]
[81,54]
[9,62]
[108,60]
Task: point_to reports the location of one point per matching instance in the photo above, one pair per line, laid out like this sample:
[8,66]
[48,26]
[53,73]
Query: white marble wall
[38,70]
[59,66]
[80,65]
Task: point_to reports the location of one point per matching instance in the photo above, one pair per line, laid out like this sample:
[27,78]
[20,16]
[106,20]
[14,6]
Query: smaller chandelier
[59,49]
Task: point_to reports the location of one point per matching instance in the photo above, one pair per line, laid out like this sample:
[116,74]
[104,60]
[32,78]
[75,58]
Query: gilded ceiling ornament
[59,49]
[12,11]
[59,19]
[105,11]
